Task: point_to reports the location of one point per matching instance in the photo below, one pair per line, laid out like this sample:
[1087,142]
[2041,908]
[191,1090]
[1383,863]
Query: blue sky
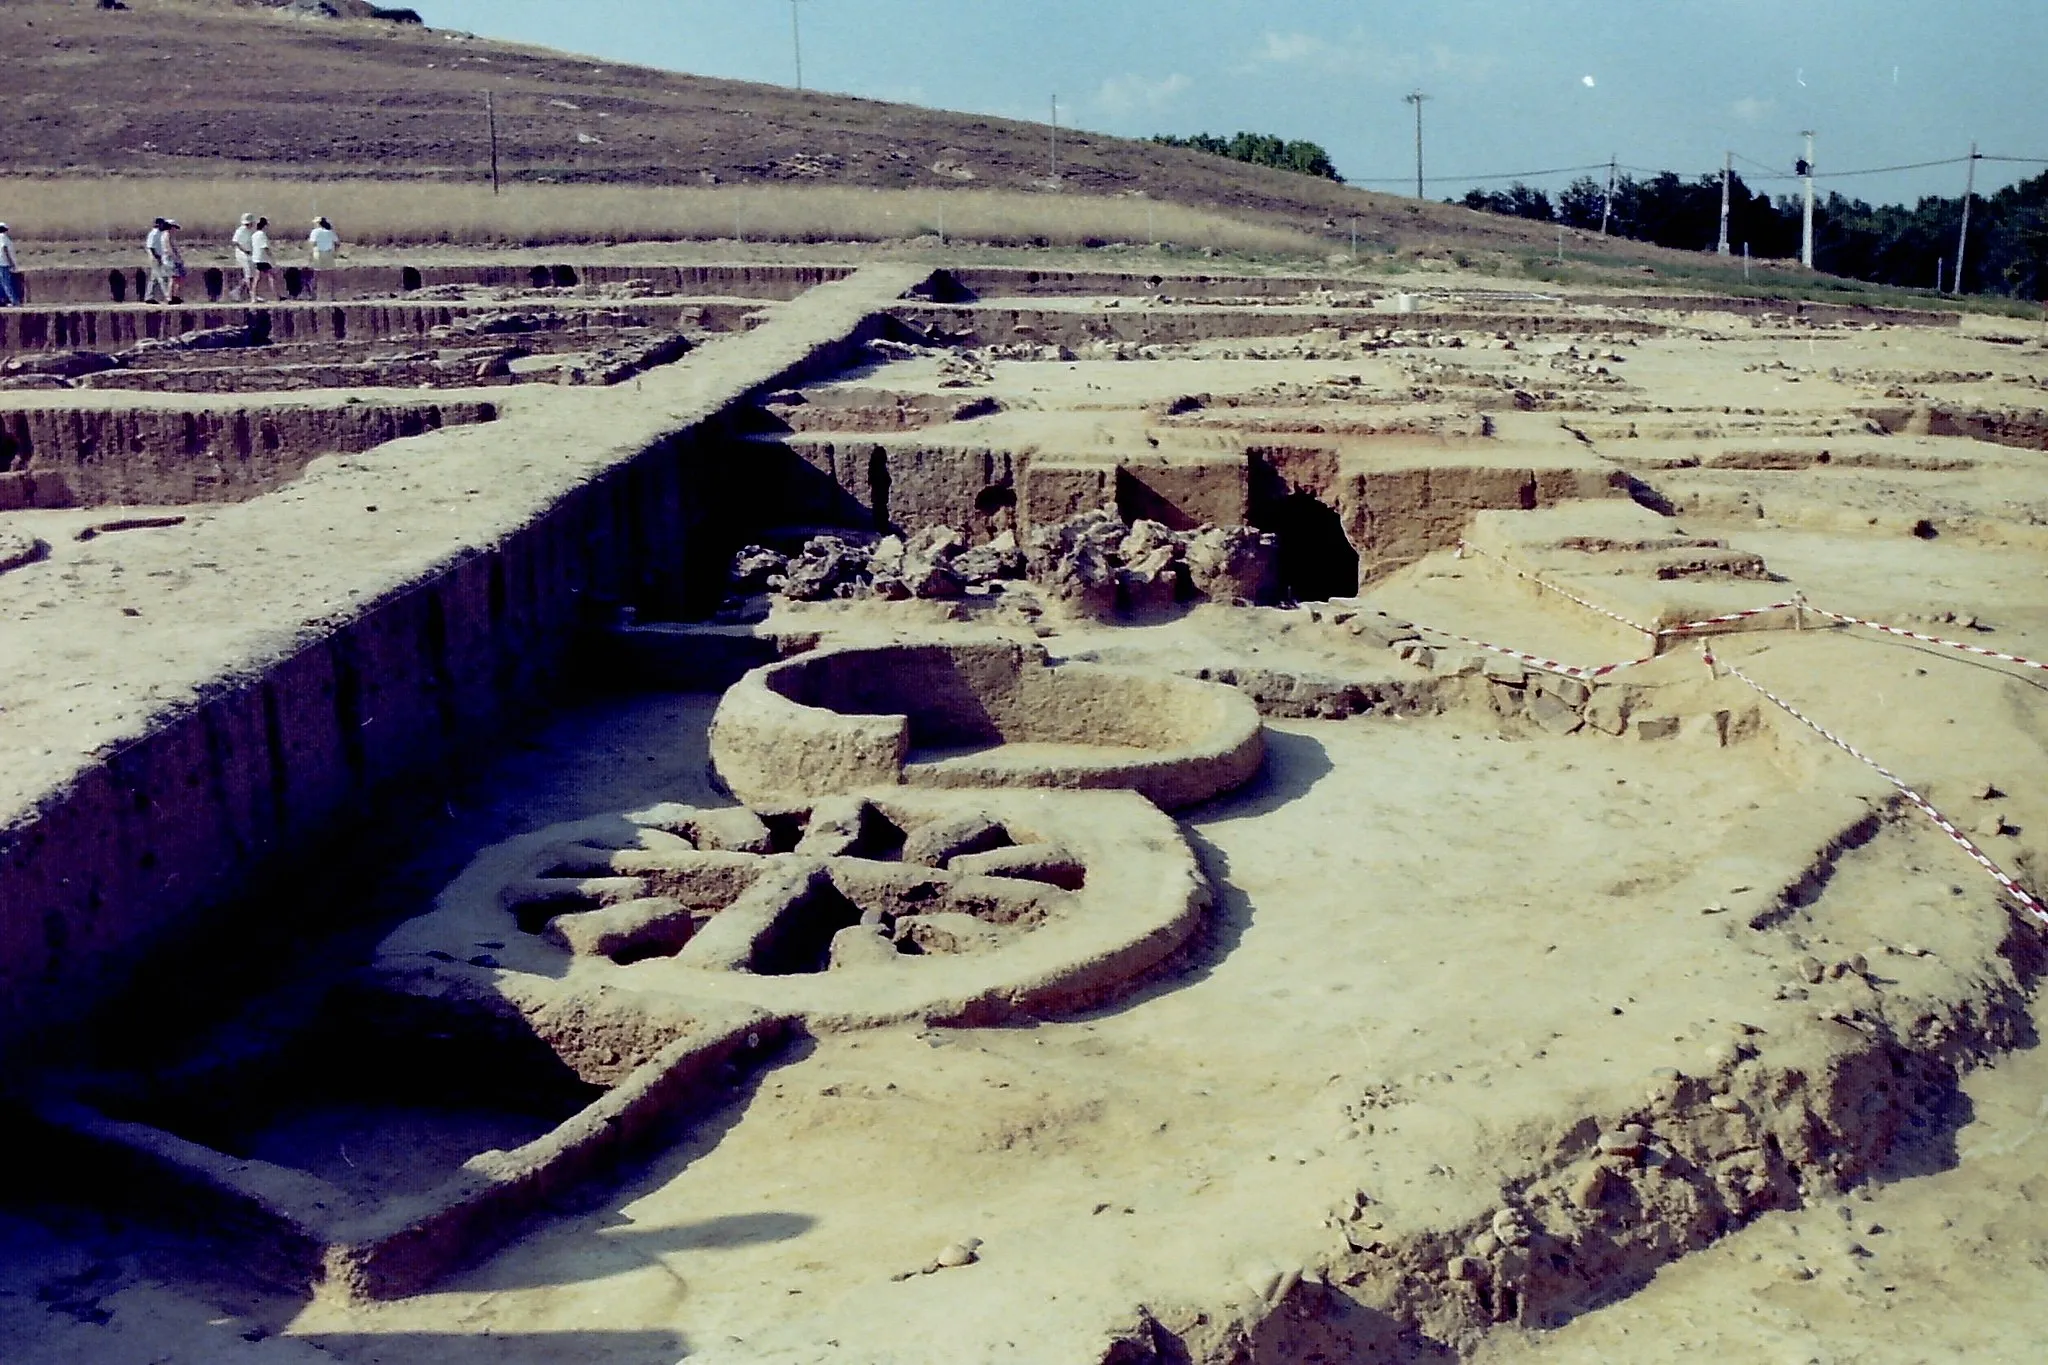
[1673,82]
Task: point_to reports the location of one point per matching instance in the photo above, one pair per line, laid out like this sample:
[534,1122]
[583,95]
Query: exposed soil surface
[1540,1017]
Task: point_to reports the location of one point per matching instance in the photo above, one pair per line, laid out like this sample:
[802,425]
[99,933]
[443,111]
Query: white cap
[248,220]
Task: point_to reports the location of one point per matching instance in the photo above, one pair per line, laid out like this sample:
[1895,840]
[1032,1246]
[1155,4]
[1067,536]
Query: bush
[1261,149]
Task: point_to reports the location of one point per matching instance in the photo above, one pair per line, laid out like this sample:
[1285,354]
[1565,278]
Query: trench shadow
[502,1348]
[581,1234]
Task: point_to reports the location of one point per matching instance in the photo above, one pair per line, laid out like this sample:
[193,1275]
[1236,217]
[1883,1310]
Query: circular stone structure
[980,714]
[963,908]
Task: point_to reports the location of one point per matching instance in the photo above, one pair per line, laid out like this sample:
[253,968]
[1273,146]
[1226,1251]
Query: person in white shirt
[259,261]
[325,245]
[244,267]
[158,289]
[174,263]
[10,272]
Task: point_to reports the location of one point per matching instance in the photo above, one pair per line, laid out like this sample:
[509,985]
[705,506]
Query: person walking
[10,272]
[324,245]
[259,261]
[158,287]
[174,263]
[245,268]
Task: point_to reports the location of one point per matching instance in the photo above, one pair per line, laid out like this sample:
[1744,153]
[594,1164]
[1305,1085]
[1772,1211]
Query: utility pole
[796,43]
[1607,204]
[1805,169]
[1055,138]
[1963,240]
[1417,99]
[1727,174]
[491,117]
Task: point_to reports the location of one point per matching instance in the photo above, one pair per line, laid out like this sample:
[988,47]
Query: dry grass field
[83,210]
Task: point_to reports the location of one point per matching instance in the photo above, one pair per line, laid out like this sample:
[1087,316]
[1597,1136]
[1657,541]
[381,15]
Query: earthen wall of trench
[107,328]
[244,789]
[71,285]
[85,457]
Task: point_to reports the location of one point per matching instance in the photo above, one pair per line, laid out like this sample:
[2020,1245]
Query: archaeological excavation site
[586,809]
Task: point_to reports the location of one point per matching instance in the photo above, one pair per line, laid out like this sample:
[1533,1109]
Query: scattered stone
[1656,727]
[1590,1190]
[1233,563]
[1811,970]
[1554,715]
[959,1254]
[1608,711]
[1511,1226]
[1626,1140]
[1504,670]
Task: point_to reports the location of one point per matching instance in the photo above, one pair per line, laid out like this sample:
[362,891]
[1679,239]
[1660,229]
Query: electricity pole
[796,43]
[1963,241]
[1805,169]
[1055,137]
[491,117]
[1416,99]
[1607,204]
[1727,173]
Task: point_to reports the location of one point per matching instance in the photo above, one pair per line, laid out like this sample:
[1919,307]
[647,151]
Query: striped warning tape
[1537,660]
[1796,603]
[2025,899]
[1691,627]
[1464,547]
[1978,650]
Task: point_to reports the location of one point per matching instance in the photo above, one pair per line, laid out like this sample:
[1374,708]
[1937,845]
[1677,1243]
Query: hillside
[207,87]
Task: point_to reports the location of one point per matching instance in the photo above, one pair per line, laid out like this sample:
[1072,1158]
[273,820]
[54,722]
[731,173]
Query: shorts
[323,260]
[262,267]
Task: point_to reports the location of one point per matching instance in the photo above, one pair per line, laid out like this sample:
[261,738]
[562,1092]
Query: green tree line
[1261,149]
[1889,244]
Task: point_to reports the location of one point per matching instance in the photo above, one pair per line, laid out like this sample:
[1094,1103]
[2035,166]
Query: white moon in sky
[1589,81]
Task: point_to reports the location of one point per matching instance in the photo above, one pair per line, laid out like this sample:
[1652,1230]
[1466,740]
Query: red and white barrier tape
[2026,899]
[1929,639]
[1465,546]
[1689,627]
[1797,603]
[1537,660]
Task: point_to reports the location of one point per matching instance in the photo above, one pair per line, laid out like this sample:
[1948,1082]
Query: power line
[1473,179]
[1769,171]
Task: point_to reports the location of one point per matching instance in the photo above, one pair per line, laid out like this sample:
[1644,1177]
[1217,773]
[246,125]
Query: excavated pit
[1504,982]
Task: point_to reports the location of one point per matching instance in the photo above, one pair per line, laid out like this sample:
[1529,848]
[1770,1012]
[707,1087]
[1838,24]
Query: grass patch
[421,213]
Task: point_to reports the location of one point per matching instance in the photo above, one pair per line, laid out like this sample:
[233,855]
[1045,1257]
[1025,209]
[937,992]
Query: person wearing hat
[244,266]
[324,244]
[162,249]
[10,272]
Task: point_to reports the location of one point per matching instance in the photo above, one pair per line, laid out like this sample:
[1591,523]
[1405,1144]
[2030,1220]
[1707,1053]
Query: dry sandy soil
[1459,935]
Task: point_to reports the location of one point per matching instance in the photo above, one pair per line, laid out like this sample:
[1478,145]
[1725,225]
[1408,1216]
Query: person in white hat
[10,272]
[324,245]
[243,266]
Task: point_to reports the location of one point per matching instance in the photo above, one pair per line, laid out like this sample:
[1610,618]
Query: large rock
[1234,563]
